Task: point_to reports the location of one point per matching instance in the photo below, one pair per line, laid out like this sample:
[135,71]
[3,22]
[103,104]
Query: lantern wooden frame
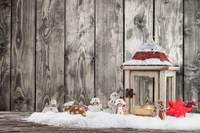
[160,75]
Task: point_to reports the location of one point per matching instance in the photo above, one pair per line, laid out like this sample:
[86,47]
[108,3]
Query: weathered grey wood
[80,49]
[50,53]
[168,34]
[109,48]
[138,20]
[192,50]
[5,30]
[23,55]
[79,54]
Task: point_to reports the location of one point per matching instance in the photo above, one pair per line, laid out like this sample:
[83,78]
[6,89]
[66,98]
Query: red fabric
[148,55]
[177,109]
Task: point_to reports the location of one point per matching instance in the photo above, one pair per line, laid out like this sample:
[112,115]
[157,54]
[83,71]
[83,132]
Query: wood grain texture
[109,48]
[169,34]
[5,30]
[192,50]
[50,53]
[79,54]
[138,19]
[23,55]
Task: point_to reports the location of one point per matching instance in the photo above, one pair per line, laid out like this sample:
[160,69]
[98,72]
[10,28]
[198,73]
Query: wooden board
[138,20]
[79,54]
[50,53]
[192,50]
[169,34]
[108,48]
[5,30]
[23,55]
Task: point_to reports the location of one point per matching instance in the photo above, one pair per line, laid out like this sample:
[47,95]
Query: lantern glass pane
[168,89]
[144,89]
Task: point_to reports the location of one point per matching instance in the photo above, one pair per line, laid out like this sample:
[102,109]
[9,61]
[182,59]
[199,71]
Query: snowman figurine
[120,107]
[95,105]
[113,97]
[52,108]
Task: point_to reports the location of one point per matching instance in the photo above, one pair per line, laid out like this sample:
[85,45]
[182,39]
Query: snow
[152,61]
[150,47]
[106,119]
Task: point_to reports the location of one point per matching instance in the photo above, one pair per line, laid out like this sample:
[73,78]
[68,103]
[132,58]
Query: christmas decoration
[96,106]
[73,109]
[177,109]
[114,96]
[189,104]
[52,108]
[129,93]
[193,105]
[120,107]
[148,61]
[159,110]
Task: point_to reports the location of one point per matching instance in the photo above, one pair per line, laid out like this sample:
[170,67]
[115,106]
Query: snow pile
[152,61]
[105,119]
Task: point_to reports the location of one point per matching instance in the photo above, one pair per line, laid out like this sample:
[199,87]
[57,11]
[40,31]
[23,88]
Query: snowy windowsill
[105,119]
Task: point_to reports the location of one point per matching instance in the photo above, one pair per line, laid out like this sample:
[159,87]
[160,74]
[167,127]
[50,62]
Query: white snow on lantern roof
[147,62]
[150,45]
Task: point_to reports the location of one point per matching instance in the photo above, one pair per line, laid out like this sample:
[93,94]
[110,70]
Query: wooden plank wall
[5,44]
[72,49]
[192,49]
[50,53]
[109,48]
[79,51]
[23,55]
[138,21]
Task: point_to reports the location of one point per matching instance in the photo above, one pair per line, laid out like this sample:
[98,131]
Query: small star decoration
[177,109]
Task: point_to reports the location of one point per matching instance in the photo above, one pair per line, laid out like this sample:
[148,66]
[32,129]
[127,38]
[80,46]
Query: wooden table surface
[13,122]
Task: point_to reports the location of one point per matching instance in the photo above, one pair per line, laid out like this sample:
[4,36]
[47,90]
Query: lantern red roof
[141,55]
[149,54]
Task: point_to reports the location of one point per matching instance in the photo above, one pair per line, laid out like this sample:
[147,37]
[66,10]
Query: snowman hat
[53,102]
[95,100]
[120,101]
[68,103]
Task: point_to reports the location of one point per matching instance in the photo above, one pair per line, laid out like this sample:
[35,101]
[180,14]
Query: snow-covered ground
[105,119]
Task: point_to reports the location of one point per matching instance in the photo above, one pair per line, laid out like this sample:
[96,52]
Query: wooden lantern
[150,61]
